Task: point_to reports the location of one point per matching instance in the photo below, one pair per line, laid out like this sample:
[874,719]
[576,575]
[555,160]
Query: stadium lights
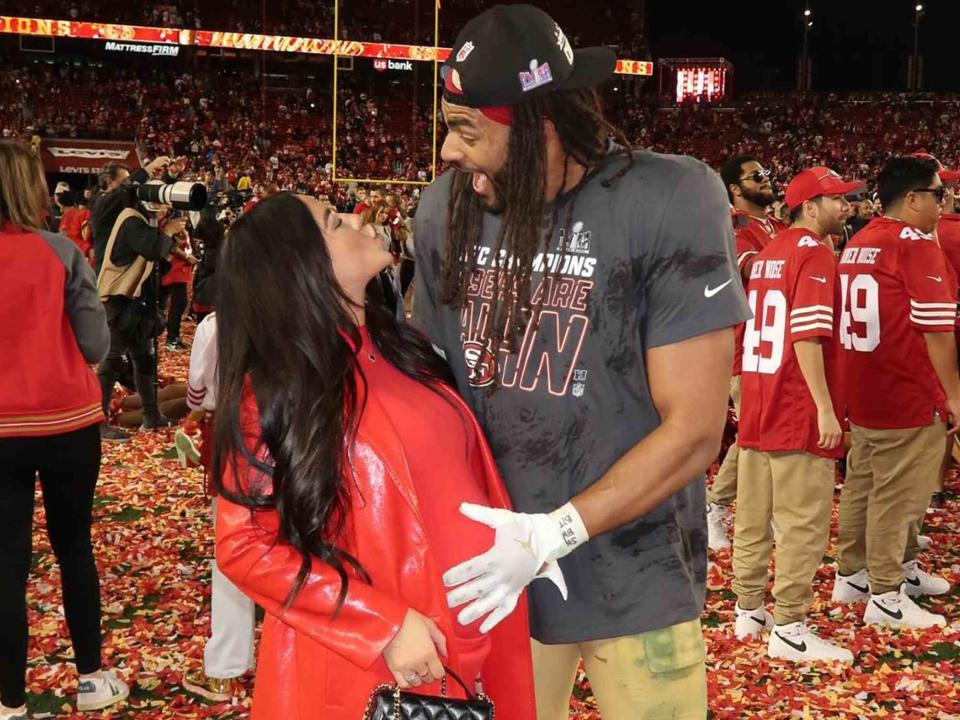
[919,8]
[807,13]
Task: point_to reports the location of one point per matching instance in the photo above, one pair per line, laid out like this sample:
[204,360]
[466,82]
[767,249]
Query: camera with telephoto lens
[179,195]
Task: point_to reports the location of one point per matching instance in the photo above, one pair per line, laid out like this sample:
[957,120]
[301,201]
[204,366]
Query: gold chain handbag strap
[371,701]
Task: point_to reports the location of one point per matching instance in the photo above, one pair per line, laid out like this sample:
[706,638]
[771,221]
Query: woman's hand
[413,655]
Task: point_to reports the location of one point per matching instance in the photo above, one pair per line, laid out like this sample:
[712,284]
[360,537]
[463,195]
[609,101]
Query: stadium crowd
[219,119]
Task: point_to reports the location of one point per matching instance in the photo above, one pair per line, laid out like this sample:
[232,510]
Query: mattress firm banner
[86,157]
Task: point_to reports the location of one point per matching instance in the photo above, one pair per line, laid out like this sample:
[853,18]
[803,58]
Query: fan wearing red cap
[900,354]
[791,405]
[578,278]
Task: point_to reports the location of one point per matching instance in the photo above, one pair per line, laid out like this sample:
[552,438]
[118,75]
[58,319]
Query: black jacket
[104,211]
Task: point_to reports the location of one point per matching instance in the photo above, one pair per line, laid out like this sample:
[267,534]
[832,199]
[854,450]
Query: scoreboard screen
[708,83]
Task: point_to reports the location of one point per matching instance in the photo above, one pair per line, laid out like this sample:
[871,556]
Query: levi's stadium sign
[86,157]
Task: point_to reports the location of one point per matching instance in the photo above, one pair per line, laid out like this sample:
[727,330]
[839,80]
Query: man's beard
[759,197]
[497,204]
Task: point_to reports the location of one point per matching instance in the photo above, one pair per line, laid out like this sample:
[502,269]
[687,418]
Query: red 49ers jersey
[794,294]
[896,285]
[751,234]
[948,235]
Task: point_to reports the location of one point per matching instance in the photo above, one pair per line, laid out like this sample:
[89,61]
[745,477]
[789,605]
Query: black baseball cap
[512,52]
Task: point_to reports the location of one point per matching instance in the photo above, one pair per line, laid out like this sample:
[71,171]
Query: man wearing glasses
[751,193]
[899,298]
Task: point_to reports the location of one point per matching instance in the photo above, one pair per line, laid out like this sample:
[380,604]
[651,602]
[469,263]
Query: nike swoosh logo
[759,620]
[819,279]
[913,581]
[709,292]
[799,647]
[860,588]
[898,615]
[935,278]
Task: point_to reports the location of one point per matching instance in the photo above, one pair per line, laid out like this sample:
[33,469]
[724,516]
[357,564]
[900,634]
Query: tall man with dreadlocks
[585,297]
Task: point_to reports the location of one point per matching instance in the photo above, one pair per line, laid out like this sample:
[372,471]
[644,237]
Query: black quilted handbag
[388,703]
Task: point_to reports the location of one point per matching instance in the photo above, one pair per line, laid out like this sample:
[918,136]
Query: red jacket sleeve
[248,553]
[814,292]
[929,283]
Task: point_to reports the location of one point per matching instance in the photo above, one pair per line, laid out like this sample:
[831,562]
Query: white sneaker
[10,714]
[895,609]
[717,538]
[919,582]
[750,623]
[98,693]
[851,588]
[799,643]
[924,541]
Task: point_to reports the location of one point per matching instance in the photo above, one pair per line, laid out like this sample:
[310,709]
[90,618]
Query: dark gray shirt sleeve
[429,267]
[81,300]
[691,281]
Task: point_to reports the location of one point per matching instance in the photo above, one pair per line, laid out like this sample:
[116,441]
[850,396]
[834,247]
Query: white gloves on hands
[524,545]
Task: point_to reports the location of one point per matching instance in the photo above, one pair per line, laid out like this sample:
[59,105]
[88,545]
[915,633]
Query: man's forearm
[942,348]
[810,358]
[664,462]
[690,385]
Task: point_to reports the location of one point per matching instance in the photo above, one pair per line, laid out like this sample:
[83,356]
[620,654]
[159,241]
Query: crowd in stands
[221,121]
[395,21]
[228,124]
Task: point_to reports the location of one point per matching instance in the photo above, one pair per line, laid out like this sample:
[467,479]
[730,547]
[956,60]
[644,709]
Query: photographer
[113,196]
[128,285]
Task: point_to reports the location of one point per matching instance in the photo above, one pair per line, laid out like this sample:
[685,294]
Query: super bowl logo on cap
[465,51]
[563,43]
[539,75]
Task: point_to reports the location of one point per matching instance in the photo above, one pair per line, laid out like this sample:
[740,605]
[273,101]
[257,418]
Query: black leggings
[68,466]
[178,305]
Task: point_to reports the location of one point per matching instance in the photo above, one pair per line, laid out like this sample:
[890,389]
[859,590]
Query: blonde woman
[53,329]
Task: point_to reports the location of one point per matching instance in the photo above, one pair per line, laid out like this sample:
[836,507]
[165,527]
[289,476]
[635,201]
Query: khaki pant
[657,675]
[890,477]
[795,490]
[723,489]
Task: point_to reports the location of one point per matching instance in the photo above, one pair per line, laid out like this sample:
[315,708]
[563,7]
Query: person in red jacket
[174,285]
[54,327]
[342,456]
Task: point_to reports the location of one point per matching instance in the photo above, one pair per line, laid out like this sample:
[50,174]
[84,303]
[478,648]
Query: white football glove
[526,547]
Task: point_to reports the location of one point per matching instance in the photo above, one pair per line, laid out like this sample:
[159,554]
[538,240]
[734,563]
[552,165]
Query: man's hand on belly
[527,546]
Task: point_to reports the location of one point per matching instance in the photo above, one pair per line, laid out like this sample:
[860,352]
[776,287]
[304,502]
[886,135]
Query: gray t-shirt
[649,262]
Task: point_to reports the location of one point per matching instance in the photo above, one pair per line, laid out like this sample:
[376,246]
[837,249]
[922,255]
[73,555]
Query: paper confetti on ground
[154,540]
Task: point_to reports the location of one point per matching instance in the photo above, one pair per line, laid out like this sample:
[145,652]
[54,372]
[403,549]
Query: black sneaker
[176,344]
[109,433]
[157,422]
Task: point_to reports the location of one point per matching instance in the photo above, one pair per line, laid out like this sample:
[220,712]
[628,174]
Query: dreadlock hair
[584,134]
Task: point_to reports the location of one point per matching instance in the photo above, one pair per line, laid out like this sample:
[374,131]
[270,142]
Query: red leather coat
[313,666]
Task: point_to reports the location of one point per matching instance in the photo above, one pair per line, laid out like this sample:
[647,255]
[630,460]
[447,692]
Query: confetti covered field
[153,540]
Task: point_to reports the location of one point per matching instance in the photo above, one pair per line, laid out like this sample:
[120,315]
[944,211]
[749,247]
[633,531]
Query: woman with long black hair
[342,457]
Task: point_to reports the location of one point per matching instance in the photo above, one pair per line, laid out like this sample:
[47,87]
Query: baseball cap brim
[591,67]
[949,175]
[844,188]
